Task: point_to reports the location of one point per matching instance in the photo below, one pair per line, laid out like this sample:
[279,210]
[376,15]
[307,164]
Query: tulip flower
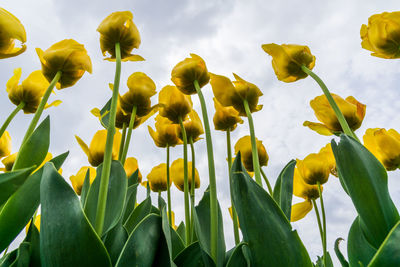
[243,145]
[381,36]
[385,145]
[8,162]
[178,178]
[157,178]
[327,153]
[225,118]
[37,224]
[189,70]
[78,179]
[67,56]
[130,166]
[95,152]
[11,29]
[5,144]
[118,27]
[314,169]
[353,111]
[174,104]
[193,127]
[287,60]
[166,133]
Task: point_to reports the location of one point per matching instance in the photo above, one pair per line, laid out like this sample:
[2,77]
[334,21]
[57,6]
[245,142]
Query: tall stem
[186,182]
[266,181]
[321,232]
[121,146]
[105,174]
[211,171]
[234,214]
[343,123]
[128,137]
[169,190]
[323,221]
[254,151]
[192,188]
[9,119]
[39,112]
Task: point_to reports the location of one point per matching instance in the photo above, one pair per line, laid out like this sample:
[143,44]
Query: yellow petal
[318,127]
[300,210]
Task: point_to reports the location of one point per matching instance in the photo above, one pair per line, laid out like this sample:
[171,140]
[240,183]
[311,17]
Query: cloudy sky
[228,36]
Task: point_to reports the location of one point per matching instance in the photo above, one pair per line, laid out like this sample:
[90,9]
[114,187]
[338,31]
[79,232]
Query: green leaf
[357,166]
[339,254]
[34,250]
[142,244]
[202,223]
[358,248]
[320,261]
[11,181]
[141,211]
[104,118]
[115,241]
[283,190]
[389,252]
[21,206]
[191,256]
[130,201]
[34,150]
[265,228]
[134,178]
[238,258]
[19,257]
[181,230]
[66,236]
[85,188]
[117,187]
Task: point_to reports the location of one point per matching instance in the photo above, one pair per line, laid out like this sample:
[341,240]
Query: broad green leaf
[115,240]
[202,222]
[283,190]
[130,201]
[142,244]
[33,239]
[339,254]
[237,258]
[11,181]
[21,206]
[105,114]
[117,187]
[19,257]
[389,252]
[134,178]
[34,150]
[66,236]
[181,230]
[358,248]
[191,256]
[265,228]
[85,188]
[141,211]
[366,181]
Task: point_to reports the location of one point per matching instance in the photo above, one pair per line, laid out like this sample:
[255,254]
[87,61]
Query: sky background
[228,35]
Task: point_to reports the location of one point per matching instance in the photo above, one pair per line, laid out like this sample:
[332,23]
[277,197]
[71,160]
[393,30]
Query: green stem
[105,174]
[254,150]
[321,233]
[323,221]
[121,146]
[169,190]
[148,189]
[39,111]
[234,214]
[186,182]
[159,202]
[266,181]
[343,123]
[211,171]
[128,137]
[9,119]
[192,187]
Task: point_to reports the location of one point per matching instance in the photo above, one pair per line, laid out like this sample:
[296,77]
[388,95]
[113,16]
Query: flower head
[385,145]
[78,179]
[118,27]
[178,177]
[8,162]
[353,111]
[243,145]
[11,29]
[174,104]
[382,35]
[327,153]
[193,127]
[225,118]
[314,168]
[67,56]
[157,178]
[166,133]
[189,70]
[287,60]
[130,166]
[5,144]
[230,93]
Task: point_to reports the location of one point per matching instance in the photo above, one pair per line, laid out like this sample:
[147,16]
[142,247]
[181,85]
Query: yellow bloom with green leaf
[78,179]
[243,145]
[131,166]
[11,29]
[174,104]
[178,177]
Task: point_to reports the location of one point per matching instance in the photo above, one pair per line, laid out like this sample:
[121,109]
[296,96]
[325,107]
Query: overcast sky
[228,35]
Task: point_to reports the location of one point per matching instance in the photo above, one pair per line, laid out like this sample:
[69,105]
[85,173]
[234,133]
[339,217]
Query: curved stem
[343,123]
[266,181]
[211,171]
[186,182]
[105,174]
[169,190]
[128,137]
[254,151]
[323,220]
[234,215]
[10,117]
[192,188]
[121,146]
[321,232]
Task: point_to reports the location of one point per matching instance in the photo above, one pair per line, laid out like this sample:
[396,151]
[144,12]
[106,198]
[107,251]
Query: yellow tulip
[193,127]
[67,56]
[8,162]
[225,118]
[230,93]
[243,145]
[141,89]
[187,71]
[353,111]
[174,104]
[5,144]
[158,178]
[130,166]
[95,152]
[118,27]
[314,168]
[78,179]
[385,145]
[178,177]
[166,133]
[37,223]
[287,60]
[327,153]
[382,35]
[11,29]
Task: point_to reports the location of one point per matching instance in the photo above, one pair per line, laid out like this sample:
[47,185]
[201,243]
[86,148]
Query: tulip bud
[178,177]
[314,168]
[243,145]
[166,133]
[11,29]
[225,118]
[157,178]
[174,104]
[130,166]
